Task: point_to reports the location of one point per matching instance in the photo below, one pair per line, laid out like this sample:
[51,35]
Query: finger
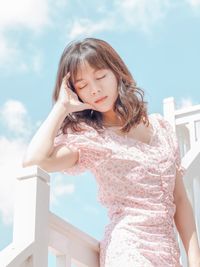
[67,85]
[66,77]
[88,106]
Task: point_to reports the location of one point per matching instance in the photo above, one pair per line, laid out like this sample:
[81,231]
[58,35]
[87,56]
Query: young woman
[99,122]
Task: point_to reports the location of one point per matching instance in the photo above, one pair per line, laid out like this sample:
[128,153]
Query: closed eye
[101,77]
[96,78]
[83,86]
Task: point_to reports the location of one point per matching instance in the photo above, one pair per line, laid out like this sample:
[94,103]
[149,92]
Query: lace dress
[135,183]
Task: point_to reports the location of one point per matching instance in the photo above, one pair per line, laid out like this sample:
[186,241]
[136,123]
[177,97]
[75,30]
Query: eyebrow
[78,80]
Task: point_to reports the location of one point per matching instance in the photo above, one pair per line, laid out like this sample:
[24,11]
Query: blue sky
[158,39]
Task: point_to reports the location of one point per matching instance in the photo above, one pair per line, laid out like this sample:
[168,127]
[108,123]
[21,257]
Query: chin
[104,109]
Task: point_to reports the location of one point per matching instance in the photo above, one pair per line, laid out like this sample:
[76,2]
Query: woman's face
[92,85]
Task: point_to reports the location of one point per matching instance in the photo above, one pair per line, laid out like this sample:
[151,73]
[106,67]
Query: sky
[159,40]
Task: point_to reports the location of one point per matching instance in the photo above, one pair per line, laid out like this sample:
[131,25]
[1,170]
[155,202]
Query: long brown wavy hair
[129,105]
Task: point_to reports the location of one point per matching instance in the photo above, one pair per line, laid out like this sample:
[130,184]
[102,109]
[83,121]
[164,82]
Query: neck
[112,122]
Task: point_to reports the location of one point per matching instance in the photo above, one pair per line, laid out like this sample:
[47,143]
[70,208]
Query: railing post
[31,212]
[63,260]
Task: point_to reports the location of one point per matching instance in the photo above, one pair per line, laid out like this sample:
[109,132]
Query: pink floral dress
[135,182]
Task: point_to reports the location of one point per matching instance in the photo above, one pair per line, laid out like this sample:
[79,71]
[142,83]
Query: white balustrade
[36,230]
[184,122]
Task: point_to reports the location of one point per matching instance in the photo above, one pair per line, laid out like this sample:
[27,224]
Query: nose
[95,88]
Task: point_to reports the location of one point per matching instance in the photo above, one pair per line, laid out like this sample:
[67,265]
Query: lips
[100,99]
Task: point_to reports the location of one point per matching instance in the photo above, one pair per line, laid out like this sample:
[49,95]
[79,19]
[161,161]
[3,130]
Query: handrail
[82,248]
[13,256]
[36,229]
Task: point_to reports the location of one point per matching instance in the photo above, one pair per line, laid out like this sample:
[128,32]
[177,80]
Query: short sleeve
[91,151]
[174,142]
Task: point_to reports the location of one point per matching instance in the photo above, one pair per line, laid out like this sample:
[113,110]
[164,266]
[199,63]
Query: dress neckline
[125,138]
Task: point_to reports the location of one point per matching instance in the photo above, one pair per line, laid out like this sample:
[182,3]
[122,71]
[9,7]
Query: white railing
[186,123]
[36,230]
[67,243]
[13,255]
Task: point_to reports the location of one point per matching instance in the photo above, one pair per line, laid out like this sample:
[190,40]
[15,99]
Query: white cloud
[32,15]
[193,3]
[185,102]
[141,15]
[8,51]
[60,188]
[36,15]
[14,115]
[11,153]
[89,27]
[34,63]
[13,58]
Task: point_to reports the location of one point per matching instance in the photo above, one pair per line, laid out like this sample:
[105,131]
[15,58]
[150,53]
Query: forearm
[185,223]
[41,144]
